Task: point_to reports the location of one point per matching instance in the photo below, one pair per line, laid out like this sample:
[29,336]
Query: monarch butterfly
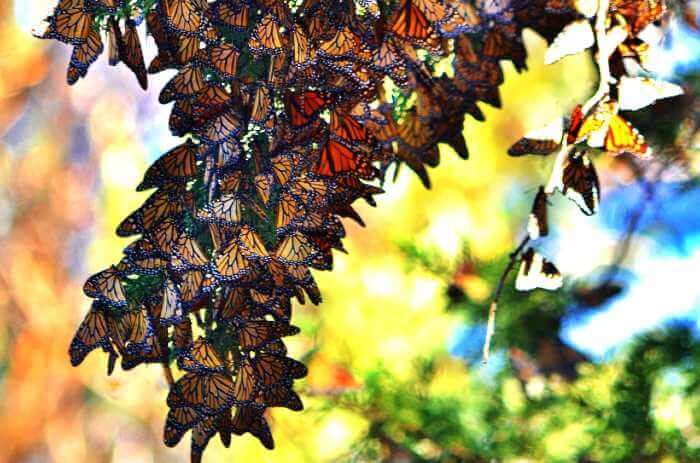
[172,311]
[224,58]
[70,23]
[271,368]
[153,346]
[251,244]
[231,263]
[344,44]
[187,48]
[92,333]
[303,107]
[194,285]
[542,141]
[107,286]
[208,393]
[233,13]
[208,103]
[236,302]
[411,23]
[387,60]
[224,127]
[181,118]
[245,385]
[167,48]
[593,127]
[168,201]
[165,234]
[182,335]
[296,249]
[256,334]
[113,37]
[465,19]
[187,82]
[187,254]
[639,92]
[282,168]
[503,42]
[537,272]
[223,211]
[83,56]
[130,331]
[267,37]
[179,420]
[144,257]
[622,137]
[262,110]
[287,210]
[146,263]
[250,419]
[178,164]
[263,185]
[184,17]
[279,395]
[475,76]
[302,54]
[579,182]
[347,127]
[335,157]
[638,14]
[129,48]
[537,225]
[201,357]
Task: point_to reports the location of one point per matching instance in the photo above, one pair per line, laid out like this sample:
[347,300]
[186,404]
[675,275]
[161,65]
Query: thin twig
[491,325]
[636,217]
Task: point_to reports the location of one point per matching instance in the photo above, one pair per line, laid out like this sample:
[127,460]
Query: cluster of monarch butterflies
[289,111]
[629,34]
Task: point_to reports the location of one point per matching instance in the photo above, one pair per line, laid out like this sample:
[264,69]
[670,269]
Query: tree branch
[602,59]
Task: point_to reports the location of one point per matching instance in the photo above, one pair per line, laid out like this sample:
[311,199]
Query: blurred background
[607,369]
